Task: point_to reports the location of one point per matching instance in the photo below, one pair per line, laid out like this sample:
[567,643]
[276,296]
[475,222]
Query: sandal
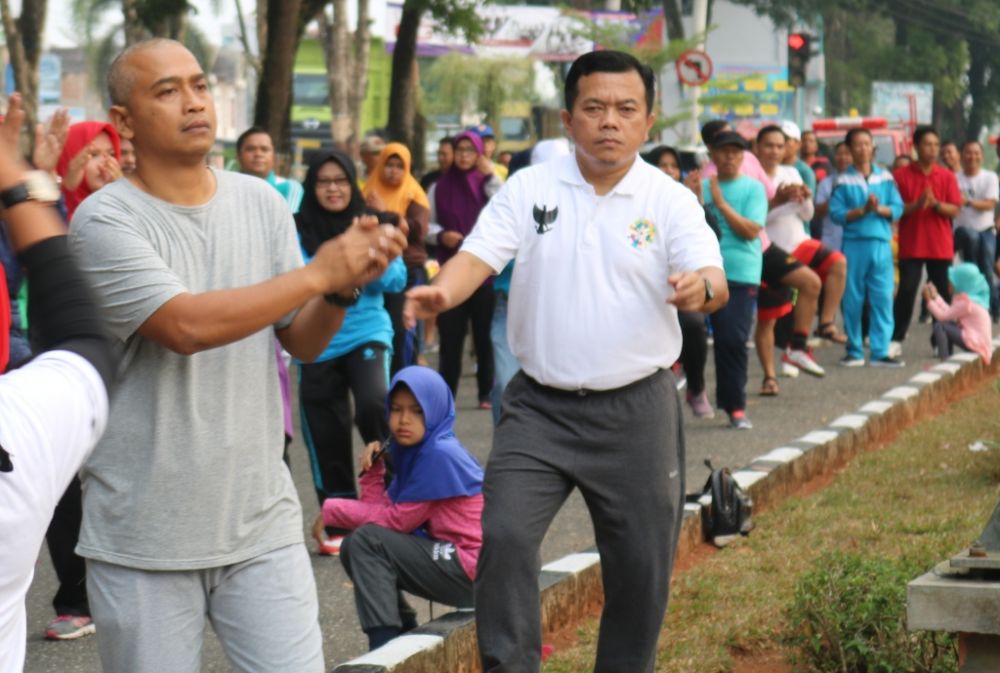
[769,388]
[828,331]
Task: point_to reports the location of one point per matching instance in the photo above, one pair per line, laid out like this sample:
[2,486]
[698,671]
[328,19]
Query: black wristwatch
[36,186]
[344,302]
[709,292]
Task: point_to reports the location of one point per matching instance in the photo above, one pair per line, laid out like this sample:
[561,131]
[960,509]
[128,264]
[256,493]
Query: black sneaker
[888,361]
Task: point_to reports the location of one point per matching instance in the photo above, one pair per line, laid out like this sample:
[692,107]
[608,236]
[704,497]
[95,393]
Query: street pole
[700,21]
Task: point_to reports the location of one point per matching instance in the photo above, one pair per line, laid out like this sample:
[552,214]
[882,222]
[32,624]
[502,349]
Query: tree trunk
[672,17]
[359,75]
[980,79]
[24,46]
[274,90]
[339,67]
[134,30]
[402,99]
[253,58]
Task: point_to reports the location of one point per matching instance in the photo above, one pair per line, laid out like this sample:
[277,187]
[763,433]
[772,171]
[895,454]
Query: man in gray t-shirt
[188,508]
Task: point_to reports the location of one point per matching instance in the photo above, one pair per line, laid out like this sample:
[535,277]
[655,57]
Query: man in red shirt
[931,199]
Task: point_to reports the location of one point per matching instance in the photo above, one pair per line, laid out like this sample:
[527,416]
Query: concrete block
[851,421]
[939,602]
[901,393]
[946,367]
[925,378]
[817,437]
[877,407]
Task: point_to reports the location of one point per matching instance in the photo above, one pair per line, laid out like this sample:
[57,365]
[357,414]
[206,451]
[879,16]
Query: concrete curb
[572,588]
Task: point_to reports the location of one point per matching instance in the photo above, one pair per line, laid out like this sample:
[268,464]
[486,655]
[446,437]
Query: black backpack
[725,508]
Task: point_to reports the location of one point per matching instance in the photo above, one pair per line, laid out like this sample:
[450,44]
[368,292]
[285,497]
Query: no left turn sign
[694,67]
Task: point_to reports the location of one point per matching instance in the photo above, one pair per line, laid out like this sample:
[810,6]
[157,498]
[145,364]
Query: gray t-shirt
[189,473]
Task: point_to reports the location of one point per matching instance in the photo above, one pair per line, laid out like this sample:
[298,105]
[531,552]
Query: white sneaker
[895,349]
[804,361]
[789,371]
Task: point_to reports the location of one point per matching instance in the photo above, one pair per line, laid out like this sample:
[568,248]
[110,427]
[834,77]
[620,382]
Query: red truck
[890,141]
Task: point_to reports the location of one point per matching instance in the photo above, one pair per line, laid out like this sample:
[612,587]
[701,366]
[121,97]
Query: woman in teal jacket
[356,361]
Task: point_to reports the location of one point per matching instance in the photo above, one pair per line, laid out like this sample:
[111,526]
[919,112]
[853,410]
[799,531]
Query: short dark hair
[654,155]
[447,140]
[252,131]
[849,138]
[120,77]
[711,129]
[921,131]
[770,128]
[842,143]
[607,61]
[971,141]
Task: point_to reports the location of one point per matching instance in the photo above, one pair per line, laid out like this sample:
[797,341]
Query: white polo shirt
[52,412]
[982,185]
[588,298]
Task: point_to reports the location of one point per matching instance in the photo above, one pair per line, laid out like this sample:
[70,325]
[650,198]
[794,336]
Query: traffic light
[799,52]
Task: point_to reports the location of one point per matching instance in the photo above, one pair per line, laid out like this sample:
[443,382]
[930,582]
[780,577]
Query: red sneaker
[331,546]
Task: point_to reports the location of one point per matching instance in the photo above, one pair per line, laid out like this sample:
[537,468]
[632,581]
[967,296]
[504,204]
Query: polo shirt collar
[629,185]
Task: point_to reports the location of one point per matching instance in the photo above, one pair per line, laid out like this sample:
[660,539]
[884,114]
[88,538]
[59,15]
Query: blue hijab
[438,467]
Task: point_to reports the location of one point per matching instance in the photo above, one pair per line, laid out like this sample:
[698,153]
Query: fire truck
[890,140]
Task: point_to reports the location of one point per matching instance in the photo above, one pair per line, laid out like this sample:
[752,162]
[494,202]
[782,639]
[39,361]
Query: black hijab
[315,223]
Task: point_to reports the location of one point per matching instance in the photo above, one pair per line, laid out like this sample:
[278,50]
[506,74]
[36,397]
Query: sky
[59,31]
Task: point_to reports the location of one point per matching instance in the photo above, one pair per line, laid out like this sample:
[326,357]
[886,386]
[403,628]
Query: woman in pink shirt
[422,534]
[966,321]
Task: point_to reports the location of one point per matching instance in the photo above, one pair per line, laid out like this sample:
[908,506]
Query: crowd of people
[207,285]
[806,236]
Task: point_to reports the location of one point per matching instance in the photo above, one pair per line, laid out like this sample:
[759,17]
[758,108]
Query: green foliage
[616,36]
[906,40]
[848,616]
[456,16]
[455,82]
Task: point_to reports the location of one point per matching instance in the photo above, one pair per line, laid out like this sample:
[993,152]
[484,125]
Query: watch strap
[345,302]
[12,196]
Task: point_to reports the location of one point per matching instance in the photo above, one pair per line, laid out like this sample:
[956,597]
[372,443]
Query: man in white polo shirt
[975,232]
[608,248]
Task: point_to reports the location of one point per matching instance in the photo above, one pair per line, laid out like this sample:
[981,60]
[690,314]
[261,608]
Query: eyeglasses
[339,183]
[466,150]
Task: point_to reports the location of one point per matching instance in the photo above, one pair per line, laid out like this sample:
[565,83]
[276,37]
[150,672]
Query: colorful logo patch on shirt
[641,234]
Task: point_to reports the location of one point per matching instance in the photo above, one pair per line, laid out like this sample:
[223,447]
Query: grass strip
[923,497]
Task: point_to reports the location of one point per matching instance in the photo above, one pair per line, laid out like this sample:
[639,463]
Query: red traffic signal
[797,41]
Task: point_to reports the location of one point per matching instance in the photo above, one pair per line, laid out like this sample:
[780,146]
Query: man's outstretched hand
[423,302]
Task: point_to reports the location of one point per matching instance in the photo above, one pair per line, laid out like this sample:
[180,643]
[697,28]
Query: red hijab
[80,135]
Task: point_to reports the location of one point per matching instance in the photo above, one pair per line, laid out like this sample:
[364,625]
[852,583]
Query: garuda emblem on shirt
[544,218]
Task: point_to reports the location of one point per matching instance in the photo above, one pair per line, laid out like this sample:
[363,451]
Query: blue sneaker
[738,420]
[888,361]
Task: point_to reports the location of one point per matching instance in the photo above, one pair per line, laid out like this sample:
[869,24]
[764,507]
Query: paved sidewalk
[803,404]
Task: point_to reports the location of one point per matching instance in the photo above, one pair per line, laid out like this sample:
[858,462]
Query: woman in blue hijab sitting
[422,534]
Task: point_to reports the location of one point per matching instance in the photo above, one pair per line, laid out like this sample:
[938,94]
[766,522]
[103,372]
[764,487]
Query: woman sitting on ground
[422,534]
[966,321]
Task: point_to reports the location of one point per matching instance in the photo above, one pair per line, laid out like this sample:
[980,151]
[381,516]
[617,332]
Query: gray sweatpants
[264,611]
[383,562]
[624,450]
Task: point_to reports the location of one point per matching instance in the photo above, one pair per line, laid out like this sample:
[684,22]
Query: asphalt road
[804,404]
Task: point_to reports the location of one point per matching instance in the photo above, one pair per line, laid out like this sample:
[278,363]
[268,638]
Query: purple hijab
[459,196]
[438,467]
